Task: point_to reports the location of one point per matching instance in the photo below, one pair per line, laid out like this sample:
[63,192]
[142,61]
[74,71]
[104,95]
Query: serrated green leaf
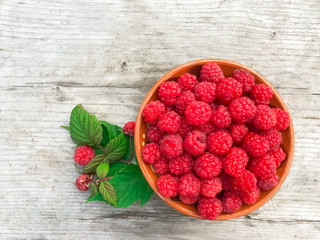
[130,151]
[108,193]
[93,189]
[66,127]
[97,197]
[94,163]
[85,129]
[113,130]
[115,168]
[102,170]
[116,148]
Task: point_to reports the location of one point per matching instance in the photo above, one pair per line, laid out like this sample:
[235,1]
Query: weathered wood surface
[107,55]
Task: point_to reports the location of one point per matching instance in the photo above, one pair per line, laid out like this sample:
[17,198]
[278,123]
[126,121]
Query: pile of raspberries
[214,140]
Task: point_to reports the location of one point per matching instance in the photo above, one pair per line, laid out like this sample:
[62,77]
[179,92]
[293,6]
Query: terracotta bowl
[141,127]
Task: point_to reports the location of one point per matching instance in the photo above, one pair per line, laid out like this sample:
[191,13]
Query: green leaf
[94,163]
[102,170]
[115,168]
[108,193]
[116,148]
[93,189]
[66,127]
[130,151]
[97,197]
[113,130]
[85,129]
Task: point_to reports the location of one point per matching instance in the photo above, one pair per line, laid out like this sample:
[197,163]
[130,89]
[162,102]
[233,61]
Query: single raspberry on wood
[245,78]
[211,72]
[152,111]
[171,145]
[265,118]
[83,155]
[83,181]
[169,122]
[198,113]
[185,127]
[242,110]
[267,183]
[211,187]
[206,128]
[273,136]
[235,162]
[154,134]
[187,81]
[207,165]
[229,89]
[183,101]
[278,155]
[244,184]
[189,199]
[261,94]
[237,132]
[283,119]
[150,152]
[255,144]
[209,208]
[195,143]
[219,142]
[250,197]
[189,185]
[231,202]
[205,92]
[161,166]
[168,185]
[221,117]
[263,166]
[129,128]
[169,92]
[181,164]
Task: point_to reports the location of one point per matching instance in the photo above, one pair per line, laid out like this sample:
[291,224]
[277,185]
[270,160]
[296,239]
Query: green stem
[101,148]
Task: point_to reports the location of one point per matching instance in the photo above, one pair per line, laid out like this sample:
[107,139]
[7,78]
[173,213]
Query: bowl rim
[148,177]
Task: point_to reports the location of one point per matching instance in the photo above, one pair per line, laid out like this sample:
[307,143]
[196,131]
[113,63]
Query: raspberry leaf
[97,197]
[94,163]
[108,193]
[113,130]
[66,127]
[115,168]
[93,189]
[116,148]
[130,150]
[102,170]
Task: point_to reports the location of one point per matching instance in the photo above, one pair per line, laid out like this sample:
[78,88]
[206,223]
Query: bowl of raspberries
[214,139]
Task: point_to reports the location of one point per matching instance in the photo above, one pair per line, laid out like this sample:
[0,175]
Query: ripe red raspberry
[265,118]
[168,185]
[242,110]
[221,117]
[278,155]
[267,183]
[154,134]
[251,197]
[198,113]
[195,143]
[213,106]
[245,78]
[205,92]
[229,89]
[171,145]
[169,122]
[83,155]
[263,167]
[219,142]
[261,94]
[152,111]
[82,182]
[283,119]
[255,145]
[211,187]
[189,199]
[231,202]
[205,128]
[181,164]
[150,152]
[209,208]
[235,162]
[226,180]
[211,72]
[161,166]
[187,81]
[238,131]
[207,166]
[189,185]
[183,101]
[184,126]
[244,184]
[273,136]
[169,92]
[128,128]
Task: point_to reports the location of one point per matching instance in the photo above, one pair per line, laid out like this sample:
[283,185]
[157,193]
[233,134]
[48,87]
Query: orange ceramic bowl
[227,68]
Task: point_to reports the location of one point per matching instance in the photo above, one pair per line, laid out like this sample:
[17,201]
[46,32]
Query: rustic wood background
[107,55]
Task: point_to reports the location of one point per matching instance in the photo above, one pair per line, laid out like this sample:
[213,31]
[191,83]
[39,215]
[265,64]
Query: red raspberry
[213,106]
[273,136]
[235,162]
[205,128]
[226,180]
[168,185]
[189,185]
[263,167]
[219,142]
[205,92]
[184,127]
[238,131]
[129,128]
[189,199]
[221,117]
[83,155]
[181,164]
[187,81]
[183,101]
[209,208]
[251,197]
[242,110]
[261,94]
[245,78]
[82,182]
[278,155]
[229,89]
[154,134]
[169,92]
[211,187]
[161,166]
[231,202]
[255,144]
[150,152]
[265,118]
[267,183]
[207,166]
[169,122]
[152,111]
[283,119]
[211,72]
[244,184]
[198,113]
[195,143]
[171,145]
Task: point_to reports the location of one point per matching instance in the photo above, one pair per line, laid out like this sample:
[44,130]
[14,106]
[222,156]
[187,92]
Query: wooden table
[107,55]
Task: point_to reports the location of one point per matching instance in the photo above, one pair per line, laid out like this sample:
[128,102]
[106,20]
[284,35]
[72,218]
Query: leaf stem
[101,148]
[124,161]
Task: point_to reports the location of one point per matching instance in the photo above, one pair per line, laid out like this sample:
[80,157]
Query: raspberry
[238,131]
[183,101]
[205,92]
[189,199]
[211,187]
[244,184]
[231,202]
[242,110]
[283,119]
[205,128]
[169,92]
[213,106]
[278,155]
[161,166]
[187,81]
[150,152]
[261,94]
[171,145]
[209,208]
[198,113]
[255,145]
[229,89]
[265,118]
[226,180]
[267,183]
[207,166]
[235,162]
[274,138]
[195,143]
[82,182]
[83,155]
[211,72]
[189,185]
[251,197]
[245,78]
[221,117]
[219,142]
[169,122]
[154,134]
[168,185]
[184,126]
[152,111]
[129,128]
[263,167]
[181,164]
